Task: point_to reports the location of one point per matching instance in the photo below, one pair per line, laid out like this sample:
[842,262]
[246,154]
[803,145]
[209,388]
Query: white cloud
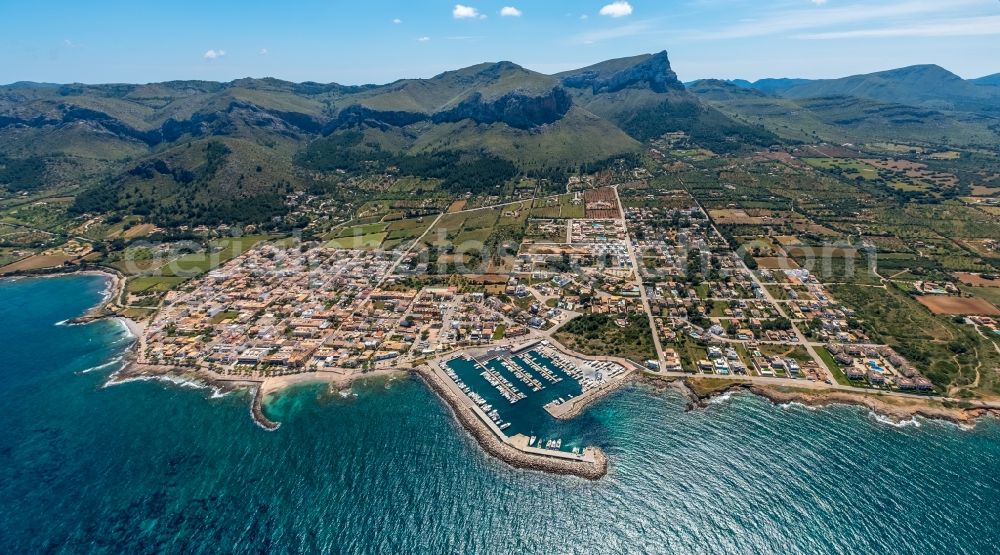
[466,12]
[818,2]
[423,39]
[263,52]
[70,44]
[584,16]
[397,21]
[617,9]
[510,11]
[214,54]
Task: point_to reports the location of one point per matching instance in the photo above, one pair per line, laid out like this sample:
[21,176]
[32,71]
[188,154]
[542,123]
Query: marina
[520,390]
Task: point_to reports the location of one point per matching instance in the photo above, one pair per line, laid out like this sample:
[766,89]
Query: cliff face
[654,73]
[223,121]
[516,109]
[361,115]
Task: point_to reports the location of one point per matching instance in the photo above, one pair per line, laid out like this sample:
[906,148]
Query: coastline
[114,289]
[699,390]
[895,410]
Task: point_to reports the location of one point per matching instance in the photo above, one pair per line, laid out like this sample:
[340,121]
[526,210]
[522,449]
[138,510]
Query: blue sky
[376,41]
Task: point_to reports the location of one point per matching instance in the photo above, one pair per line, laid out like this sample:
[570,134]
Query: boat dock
[525,377]
[537,367]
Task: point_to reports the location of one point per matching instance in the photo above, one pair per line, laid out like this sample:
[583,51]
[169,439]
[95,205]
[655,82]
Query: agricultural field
[601,204]
[848,168]
[219,252]
[367,241]
[400,232]
[37,262]
[563,206]
[965,306]
[979,280]
[990,294]
[364,236]
[153,284]
[777,263]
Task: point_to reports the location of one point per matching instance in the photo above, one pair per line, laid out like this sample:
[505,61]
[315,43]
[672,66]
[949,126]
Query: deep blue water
[148,466]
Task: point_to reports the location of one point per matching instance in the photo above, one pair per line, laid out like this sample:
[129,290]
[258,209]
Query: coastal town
[638,284]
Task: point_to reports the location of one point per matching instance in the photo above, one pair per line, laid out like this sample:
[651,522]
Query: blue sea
[153,466]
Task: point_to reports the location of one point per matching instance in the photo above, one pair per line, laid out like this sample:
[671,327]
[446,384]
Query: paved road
[770,298]
[661,359]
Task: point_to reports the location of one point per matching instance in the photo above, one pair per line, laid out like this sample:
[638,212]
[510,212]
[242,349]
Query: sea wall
[575,406]
[507,453]
[257,411]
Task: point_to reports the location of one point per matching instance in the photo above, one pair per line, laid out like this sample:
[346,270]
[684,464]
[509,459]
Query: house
[854,373]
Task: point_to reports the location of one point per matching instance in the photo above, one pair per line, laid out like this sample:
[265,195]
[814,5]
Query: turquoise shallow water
[148,466]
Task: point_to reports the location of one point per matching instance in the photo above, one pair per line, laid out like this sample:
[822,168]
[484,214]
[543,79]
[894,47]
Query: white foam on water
[128,330]
[218,393]
[895,424]
[720,399]
[175,380]
[108,364]
[798,405]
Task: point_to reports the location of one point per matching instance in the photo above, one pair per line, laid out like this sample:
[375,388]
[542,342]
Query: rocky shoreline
[887,407]
[506,453]
[895,409]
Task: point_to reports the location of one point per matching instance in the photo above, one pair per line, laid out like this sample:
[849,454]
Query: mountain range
[927,86]
[923,103]
[212,151]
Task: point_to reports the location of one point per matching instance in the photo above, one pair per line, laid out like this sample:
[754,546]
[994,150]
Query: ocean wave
[108,290]
[910,422]
[217,392]
[720,399]
[117,360]
[128,330]
[798,405]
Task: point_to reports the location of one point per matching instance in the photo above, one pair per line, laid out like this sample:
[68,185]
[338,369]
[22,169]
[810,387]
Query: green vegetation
[154,284]
[367,241]
[849,169]
[832,365]
[706,126]
[602,334]
[219,252]
[892,317]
